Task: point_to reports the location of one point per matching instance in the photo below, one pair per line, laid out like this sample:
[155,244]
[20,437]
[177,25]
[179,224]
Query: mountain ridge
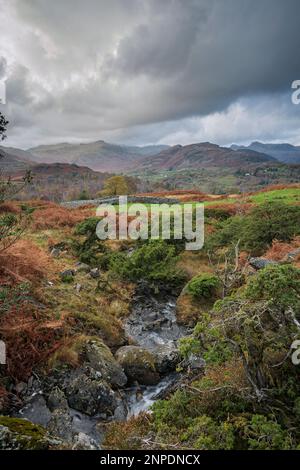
[283,152]
[203,155]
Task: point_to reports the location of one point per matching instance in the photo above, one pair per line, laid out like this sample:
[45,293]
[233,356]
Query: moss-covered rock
[138,364]
[92,352]
[88,393]
[20,434]
[100,358]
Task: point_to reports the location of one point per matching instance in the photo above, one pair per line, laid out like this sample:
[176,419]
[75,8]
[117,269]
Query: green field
[288,195]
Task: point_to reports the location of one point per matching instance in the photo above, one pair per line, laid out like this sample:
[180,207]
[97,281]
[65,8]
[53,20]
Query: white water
[151,325]
[139,400]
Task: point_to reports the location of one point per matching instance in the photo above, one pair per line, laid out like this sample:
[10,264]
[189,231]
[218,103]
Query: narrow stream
[152,325]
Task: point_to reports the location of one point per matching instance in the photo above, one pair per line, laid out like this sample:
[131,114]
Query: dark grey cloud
[149,70]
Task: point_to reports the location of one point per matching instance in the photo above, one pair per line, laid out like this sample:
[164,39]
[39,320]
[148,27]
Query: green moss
[24,434]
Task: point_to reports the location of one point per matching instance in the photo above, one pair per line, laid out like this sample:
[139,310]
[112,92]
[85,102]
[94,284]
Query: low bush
[257,230]
[203,286]
[154,262]
[91,249]
[279,284]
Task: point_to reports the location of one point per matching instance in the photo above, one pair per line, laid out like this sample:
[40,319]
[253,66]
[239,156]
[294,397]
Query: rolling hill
[63,181]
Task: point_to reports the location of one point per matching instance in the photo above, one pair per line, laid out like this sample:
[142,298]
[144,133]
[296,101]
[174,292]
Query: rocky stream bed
[75,404]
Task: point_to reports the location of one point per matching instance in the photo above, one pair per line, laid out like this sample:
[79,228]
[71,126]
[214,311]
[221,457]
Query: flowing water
[152,325]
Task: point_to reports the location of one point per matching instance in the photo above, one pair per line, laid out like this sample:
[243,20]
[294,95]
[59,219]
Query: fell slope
[99,156]
[203,155]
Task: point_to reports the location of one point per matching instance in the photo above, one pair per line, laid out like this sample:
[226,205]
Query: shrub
[154,261]
[206,434]
[270,221]
[91,249]
[87,226]
[278,283]
[203,286]
[263,433]
[257,230]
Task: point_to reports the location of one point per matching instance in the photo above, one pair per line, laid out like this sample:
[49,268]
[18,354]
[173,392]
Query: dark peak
[256,142]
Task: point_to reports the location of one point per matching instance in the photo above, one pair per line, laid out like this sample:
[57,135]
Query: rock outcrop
[138,364]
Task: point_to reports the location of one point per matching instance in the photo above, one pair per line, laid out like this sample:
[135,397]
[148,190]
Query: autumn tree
[119,185]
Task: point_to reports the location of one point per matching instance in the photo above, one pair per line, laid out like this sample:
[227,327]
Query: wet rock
[260,263]
[157,324]
[153,322]
[36,411]
[121,411]
[166,358]
[89,393]
[95,273]
[138,364]
[57,400]
[20,434]
[60,425]
[100,358]
[88,425]
[83,442]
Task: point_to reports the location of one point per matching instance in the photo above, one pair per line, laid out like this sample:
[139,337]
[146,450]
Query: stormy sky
[150,71]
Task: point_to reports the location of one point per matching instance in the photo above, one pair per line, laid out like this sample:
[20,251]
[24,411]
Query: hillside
[23,155]
[99,156]
[203,155]
[284,152]
[63,181]
[12,163]
[213,169]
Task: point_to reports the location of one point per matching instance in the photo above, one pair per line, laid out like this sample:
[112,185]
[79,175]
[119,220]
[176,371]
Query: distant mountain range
[285,153]
[14,161]
[101,156]
[203,155]
[62,171]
